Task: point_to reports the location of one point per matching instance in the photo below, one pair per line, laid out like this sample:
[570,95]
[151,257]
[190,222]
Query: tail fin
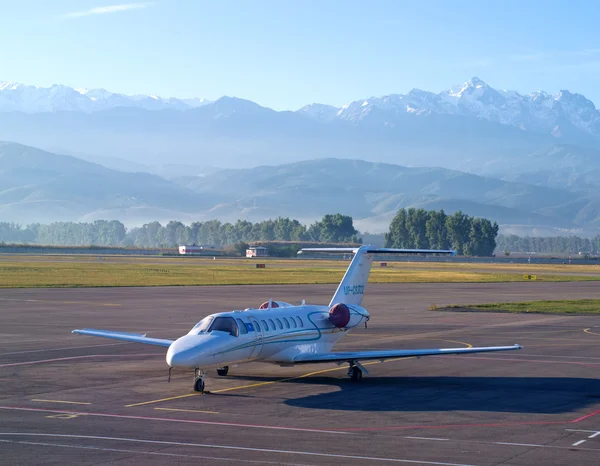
[352,287]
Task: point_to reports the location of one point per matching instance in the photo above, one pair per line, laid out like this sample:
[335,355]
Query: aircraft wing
[132,337]
[394,354]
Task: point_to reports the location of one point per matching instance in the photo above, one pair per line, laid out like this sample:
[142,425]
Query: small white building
[190,250]
[257,251]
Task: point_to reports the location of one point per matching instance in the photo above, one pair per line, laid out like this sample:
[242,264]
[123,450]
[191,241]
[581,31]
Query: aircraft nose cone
[181,353]
[173,356]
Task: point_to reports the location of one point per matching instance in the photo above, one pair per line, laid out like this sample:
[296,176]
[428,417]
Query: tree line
[332,228]
[410,228]
[421,229]
[571,245]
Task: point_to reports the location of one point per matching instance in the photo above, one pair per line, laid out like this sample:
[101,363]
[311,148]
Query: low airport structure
[257,251]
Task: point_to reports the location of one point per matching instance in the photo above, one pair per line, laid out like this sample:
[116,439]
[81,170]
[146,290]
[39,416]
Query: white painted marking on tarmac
[61,401]
[429,438]
[90,303]
[63,349]
[537,445]
[554,356]
[234,447]
[168,419]
[519,444]
[152,453]
[595,432]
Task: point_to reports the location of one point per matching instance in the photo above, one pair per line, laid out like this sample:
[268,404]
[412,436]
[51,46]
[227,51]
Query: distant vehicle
[285,334]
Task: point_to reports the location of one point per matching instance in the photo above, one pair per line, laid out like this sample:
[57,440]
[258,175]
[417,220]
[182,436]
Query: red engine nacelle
[339,315]
[265,305]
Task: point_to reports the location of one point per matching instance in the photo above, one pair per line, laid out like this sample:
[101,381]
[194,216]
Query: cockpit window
[225,324]
[201,326]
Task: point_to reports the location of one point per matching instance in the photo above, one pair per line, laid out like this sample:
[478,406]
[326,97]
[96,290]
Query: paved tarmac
[69,399]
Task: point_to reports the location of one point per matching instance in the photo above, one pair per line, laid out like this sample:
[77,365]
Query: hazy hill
[38,186]
[471,127]
[236,133]
[373,192]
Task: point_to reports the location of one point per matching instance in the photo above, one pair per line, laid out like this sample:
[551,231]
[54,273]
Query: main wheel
[199,384]
[222,371]
[356,374]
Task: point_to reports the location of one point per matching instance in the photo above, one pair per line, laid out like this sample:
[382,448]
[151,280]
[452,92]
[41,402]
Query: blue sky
[284,54]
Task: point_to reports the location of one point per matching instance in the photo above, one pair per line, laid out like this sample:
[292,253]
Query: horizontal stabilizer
[132,337]
[352,287]
[379,251]
[394,354]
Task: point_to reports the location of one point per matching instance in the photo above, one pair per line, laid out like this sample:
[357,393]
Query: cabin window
[225,324]
[294,325]
[265,326]
[300,323]
[242,326]
[279,324]
[287,324]
[272,324]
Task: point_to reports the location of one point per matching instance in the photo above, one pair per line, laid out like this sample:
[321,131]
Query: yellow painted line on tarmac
[260,384]
[587,330]
[467,345]
[287,379]
[61,401]
[161,400]
[187,410]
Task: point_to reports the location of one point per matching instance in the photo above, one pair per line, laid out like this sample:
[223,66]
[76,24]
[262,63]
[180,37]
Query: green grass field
[577,306]
[44,272]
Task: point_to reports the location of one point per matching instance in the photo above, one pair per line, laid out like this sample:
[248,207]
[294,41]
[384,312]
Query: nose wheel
[199,380]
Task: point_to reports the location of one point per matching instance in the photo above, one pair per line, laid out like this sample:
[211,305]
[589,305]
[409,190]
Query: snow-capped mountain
[537,111]
[17,97]
[321,112]
[561,115]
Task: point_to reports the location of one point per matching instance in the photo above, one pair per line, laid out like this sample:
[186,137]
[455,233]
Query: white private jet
[284,334]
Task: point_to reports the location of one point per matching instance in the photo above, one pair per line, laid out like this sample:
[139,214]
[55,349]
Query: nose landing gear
[199,380]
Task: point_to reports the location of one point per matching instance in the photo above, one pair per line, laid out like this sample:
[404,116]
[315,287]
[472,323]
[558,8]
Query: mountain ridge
[38,186]
[553,114]
[25,98]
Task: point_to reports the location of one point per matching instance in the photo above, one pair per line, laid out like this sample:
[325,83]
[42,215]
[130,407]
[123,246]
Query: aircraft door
[258,338]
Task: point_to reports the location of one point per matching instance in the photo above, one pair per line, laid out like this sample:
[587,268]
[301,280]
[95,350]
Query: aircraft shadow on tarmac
[541,395]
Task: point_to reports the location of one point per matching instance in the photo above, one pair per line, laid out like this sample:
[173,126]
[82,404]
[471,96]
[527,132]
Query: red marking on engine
[339,315]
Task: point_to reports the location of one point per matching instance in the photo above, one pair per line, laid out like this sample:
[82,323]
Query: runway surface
[67,399]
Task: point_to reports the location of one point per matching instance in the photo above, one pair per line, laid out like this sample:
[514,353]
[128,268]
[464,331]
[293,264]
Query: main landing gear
[355,371]
[222,371]
[199,380]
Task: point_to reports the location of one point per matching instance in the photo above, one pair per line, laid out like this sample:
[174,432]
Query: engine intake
[339,315]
